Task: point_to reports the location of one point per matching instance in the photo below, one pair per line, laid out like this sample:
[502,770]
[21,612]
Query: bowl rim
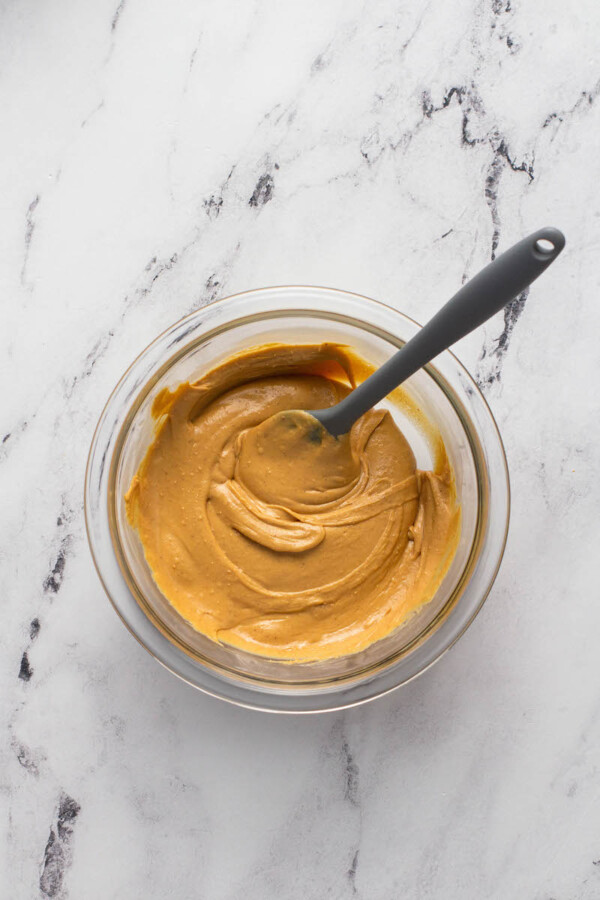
[216,683]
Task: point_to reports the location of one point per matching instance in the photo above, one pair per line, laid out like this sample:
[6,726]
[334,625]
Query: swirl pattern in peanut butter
[268,534]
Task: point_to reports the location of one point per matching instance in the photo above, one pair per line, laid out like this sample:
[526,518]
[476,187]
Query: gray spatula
[485,294]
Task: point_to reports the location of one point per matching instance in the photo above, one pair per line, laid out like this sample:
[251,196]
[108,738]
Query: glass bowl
[444,392]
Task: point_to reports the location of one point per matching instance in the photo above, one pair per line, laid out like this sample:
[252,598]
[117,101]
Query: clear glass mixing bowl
[449,399]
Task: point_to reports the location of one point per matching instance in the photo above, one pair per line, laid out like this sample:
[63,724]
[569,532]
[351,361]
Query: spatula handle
[480,298]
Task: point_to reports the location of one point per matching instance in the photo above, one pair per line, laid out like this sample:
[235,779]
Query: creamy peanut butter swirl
[268,534]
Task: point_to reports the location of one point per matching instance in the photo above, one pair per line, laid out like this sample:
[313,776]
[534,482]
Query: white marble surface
[158,155]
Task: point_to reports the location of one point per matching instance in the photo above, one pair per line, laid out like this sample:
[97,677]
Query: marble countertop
[156,156]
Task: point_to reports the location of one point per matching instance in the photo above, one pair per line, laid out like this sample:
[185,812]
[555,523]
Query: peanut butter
[268,534]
